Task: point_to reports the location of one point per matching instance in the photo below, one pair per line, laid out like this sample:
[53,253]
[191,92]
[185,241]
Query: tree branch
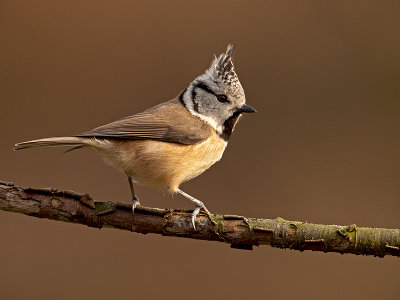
[239,232]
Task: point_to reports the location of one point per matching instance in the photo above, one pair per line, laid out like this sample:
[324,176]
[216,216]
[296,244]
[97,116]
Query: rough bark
[239,232]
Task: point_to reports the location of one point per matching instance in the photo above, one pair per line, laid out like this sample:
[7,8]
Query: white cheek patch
[190,106]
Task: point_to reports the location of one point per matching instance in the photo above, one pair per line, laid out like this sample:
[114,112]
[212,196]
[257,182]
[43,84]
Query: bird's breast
[167,164]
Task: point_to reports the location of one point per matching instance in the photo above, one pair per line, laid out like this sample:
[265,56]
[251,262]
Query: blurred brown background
[324,146]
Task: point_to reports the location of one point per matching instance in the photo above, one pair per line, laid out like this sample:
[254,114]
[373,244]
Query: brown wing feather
[167,122]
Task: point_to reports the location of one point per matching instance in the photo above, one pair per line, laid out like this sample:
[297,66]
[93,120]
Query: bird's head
[217,97]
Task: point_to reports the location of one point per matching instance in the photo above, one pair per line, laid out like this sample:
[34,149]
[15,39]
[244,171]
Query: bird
[173,142]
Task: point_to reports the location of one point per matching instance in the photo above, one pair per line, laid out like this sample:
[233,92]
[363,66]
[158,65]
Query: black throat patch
[229,125]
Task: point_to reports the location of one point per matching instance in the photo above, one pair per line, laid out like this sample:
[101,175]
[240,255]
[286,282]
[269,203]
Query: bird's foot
[135,203]
[196,212]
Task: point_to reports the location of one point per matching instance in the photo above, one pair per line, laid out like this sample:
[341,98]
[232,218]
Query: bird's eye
[222,98]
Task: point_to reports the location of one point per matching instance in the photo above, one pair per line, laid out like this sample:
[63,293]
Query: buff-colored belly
[163,164]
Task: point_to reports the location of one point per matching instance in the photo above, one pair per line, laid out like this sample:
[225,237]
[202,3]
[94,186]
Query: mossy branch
[239,232]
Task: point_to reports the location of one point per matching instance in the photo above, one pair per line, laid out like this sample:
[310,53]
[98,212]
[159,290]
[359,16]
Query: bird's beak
[246,109]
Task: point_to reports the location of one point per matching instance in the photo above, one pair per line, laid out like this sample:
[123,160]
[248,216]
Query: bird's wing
[168,122]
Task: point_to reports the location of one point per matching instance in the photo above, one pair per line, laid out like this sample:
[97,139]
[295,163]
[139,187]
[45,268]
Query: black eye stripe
[204,87]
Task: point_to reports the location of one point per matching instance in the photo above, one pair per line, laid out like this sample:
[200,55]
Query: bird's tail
[75,142]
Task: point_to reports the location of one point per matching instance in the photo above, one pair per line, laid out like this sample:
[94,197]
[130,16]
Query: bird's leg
[199,205]
[135,199]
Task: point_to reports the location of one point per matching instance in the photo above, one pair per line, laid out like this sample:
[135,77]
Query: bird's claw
[196,212]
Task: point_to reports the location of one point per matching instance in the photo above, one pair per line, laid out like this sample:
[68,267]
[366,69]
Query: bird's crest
[222,67]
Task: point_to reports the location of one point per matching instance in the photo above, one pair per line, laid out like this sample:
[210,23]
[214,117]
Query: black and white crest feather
[222,67]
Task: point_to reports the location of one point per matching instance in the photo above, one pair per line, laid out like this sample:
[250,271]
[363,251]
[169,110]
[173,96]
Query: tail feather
[73,148]
[76,142]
